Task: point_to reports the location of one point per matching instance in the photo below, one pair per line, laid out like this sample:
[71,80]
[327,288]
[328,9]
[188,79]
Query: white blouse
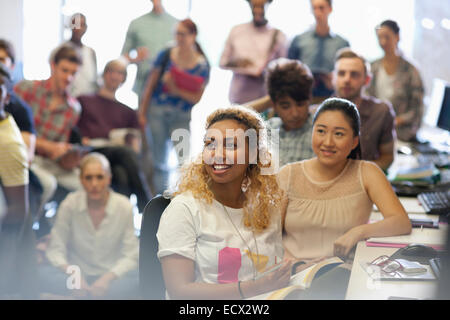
[74,240]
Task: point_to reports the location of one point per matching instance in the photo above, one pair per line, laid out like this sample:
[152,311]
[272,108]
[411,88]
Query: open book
[301,280]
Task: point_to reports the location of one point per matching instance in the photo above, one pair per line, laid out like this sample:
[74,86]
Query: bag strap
[164,64]
[274,41]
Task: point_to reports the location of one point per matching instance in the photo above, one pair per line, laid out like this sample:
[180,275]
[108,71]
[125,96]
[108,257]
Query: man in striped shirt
[17,256]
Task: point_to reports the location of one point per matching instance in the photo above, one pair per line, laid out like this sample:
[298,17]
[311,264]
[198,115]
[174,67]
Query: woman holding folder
[176,83]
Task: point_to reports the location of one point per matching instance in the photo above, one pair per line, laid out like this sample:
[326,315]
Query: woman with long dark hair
[330,197]
[397,80]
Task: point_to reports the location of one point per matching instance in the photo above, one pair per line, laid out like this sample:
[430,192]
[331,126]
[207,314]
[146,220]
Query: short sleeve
[13,155]
[130,42]
[23,89]
[346,44]
[157,63]
[21,113]
[13,166]
[177,233]
[204,72]
[294,50]
[283,177]
[133,120]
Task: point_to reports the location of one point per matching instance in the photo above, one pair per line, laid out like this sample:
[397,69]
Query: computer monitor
[444,115]
[438,112]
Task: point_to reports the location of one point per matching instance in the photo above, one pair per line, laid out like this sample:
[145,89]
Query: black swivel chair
[151,280]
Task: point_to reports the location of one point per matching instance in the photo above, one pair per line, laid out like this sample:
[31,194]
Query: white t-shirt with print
[204,233]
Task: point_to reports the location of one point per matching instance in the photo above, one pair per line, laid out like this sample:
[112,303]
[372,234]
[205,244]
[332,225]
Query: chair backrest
[151,280]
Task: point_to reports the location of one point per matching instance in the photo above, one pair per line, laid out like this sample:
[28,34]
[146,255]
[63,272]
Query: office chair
[151,282]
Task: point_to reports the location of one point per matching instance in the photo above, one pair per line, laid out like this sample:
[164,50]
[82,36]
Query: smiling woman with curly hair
[256,203]
[222,228]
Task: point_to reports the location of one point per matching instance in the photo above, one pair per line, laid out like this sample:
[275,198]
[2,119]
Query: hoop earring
[245,184]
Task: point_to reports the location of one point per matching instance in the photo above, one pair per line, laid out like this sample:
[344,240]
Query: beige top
[320,212]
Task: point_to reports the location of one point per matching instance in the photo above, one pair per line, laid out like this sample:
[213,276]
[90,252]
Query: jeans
[162,121]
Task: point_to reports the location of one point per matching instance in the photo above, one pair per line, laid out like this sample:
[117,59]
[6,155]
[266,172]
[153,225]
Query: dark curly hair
[289,78]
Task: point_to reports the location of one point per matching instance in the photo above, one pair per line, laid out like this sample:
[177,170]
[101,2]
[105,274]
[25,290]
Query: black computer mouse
[416,252]
[419,250]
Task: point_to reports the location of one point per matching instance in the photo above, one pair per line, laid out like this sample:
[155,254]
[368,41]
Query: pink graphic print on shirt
[229,265]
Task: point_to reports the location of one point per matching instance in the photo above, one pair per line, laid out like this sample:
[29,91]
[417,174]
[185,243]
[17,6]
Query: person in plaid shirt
[55,113]
[289,83]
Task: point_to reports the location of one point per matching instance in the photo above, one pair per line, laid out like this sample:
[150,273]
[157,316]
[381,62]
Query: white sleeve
[130,246]
[177,232]
[59,240]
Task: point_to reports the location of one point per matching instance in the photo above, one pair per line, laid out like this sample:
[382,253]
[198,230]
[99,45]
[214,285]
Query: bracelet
[240,290]
[295,265]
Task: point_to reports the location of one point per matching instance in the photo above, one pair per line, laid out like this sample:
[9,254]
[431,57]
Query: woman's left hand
[345,243]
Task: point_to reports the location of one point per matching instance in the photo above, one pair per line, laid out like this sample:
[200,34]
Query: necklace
[255,271]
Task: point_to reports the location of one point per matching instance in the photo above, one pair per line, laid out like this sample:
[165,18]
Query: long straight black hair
[350,112]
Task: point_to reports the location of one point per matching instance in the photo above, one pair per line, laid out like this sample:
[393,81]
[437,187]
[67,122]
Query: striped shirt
[294,145]
[13,155]
[53,125]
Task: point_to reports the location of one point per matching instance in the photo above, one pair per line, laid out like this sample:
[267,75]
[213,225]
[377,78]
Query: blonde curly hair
[262,193]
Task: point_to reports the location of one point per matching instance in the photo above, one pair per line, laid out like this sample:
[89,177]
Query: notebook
[431,237]
[186,81]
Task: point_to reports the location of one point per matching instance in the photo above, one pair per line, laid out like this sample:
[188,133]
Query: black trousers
[127,176]
[332,285]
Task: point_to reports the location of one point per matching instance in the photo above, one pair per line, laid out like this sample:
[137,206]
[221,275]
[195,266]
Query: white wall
[11,24]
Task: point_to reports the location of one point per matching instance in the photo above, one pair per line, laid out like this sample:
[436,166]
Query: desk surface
[362,287]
